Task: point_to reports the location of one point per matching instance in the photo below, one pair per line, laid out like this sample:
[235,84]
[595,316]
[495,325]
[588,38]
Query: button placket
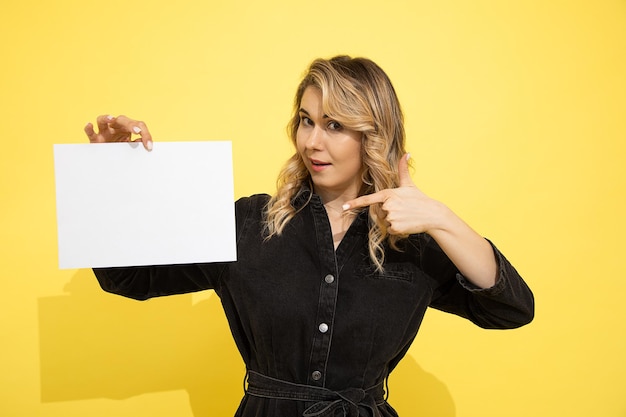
[326,307]
[322,338]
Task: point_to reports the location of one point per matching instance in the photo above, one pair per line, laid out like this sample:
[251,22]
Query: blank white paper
[120,205]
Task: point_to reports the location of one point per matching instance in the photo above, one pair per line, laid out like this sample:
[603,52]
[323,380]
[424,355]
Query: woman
[336,270]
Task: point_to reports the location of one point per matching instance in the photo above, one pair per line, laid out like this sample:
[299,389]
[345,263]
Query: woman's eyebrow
[307,113]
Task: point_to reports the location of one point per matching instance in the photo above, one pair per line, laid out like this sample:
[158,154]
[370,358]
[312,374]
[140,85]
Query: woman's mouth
[318,166]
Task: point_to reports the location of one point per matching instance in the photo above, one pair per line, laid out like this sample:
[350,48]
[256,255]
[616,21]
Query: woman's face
[331,153]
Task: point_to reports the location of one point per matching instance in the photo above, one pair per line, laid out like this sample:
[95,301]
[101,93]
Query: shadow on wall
[97,345]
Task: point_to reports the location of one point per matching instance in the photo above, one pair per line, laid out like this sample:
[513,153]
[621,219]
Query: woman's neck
[335,200]
[339,219]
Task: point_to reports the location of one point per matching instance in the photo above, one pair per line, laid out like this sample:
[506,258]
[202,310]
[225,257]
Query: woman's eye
[305,121]
[334,125]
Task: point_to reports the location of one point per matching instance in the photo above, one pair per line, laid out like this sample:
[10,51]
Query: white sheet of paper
[120,205]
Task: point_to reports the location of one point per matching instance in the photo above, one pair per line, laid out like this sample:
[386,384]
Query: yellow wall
[515,116]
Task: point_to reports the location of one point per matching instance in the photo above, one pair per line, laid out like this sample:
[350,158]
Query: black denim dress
[320,329]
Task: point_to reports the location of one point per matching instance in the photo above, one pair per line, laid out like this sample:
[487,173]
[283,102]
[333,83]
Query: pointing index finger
[365,201]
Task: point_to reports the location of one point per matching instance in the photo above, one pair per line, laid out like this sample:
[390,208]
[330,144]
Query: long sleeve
[506,305]
[145,282]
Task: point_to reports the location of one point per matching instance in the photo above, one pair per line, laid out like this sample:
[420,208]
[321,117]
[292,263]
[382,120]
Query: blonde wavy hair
[359,95]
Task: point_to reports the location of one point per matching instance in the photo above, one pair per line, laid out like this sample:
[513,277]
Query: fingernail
[345,206]
[136,129]
[109,117]
[149,145]
[408,156]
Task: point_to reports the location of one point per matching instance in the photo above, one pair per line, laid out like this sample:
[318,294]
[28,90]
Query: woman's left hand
[407,209]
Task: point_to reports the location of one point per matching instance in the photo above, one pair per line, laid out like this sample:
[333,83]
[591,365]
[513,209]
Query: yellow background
[515,117]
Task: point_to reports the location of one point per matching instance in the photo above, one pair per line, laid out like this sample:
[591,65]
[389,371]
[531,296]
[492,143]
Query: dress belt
[351,401]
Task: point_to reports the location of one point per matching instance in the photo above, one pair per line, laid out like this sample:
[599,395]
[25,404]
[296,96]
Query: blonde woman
[336,270]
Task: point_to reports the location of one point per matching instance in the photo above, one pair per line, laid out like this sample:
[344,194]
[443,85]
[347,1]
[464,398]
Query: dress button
[316,375]
[323,327]
[329,279]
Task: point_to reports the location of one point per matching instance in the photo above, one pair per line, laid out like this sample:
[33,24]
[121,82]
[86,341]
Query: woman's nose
[314,140]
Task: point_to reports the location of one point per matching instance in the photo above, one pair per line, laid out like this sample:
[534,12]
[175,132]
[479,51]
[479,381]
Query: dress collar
[305,195]
[302,197]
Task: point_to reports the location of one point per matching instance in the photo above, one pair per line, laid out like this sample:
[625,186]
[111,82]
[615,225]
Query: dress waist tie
[326,402]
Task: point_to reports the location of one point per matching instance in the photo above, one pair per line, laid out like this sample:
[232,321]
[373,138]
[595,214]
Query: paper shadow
[98,345]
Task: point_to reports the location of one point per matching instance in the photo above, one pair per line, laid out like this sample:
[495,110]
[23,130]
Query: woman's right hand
[119,129]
